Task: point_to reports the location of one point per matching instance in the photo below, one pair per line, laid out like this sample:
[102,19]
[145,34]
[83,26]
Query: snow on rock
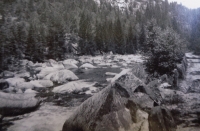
[110,74]
[54,64]
[19,91]
[48,118]
[87,65]
[165,85]
[42,83]
[45,71]
[61,76]
[22,75]
[123,72]
[14,104]
[70,61]
[70,66]
[14,81]
[76,87]
[190,55]
[31,92]
[24,85]
[86,59]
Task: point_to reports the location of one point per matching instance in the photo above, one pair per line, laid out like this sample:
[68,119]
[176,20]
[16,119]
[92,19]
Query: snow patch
[76,86]
[87,65]
[61,76]
[14,81]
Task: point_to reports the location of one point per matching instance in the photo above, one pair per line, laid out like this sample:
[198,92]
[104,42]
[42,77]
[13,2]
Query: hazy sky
[188,3]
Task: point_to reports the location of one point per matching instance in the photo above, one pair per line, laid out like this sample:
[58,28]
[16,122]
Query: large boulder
[160,119]
[15,104]
[110,110]
[61,76]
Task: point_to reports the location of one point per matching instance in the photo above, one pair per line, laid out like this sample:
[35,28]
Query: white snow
[45,71]
[110,74]
[61,76]
[164,85]
[22,75]
[54,64]
[123,72]
[70,61]
[31,92]
[24,85]
[75,86]
[87,65]
[70,66]
[42,83]
[14,81]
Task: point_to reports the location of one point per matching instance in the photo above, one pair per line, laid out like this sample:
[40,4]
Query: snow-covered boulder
[14,81]
[24,85]
[76,87]
[31,92]
[42,83]
[15,104]
[23,74]
[61,76]
[70,66]
[45,71]
[87,66]
[55,64]
[70,61]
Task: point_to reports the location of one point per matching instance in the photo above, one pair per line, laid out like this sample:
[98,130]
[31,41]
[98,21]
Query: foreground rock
[15,104]
[160,119]
[111,109]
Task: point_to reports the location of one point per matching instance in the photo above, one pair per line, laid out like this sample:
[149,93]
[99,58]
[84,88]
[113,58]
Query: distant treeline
[35,29]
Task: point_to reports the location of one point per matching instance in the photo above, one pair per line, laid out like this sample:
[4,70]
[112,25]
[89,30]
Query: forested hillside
[36,29]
